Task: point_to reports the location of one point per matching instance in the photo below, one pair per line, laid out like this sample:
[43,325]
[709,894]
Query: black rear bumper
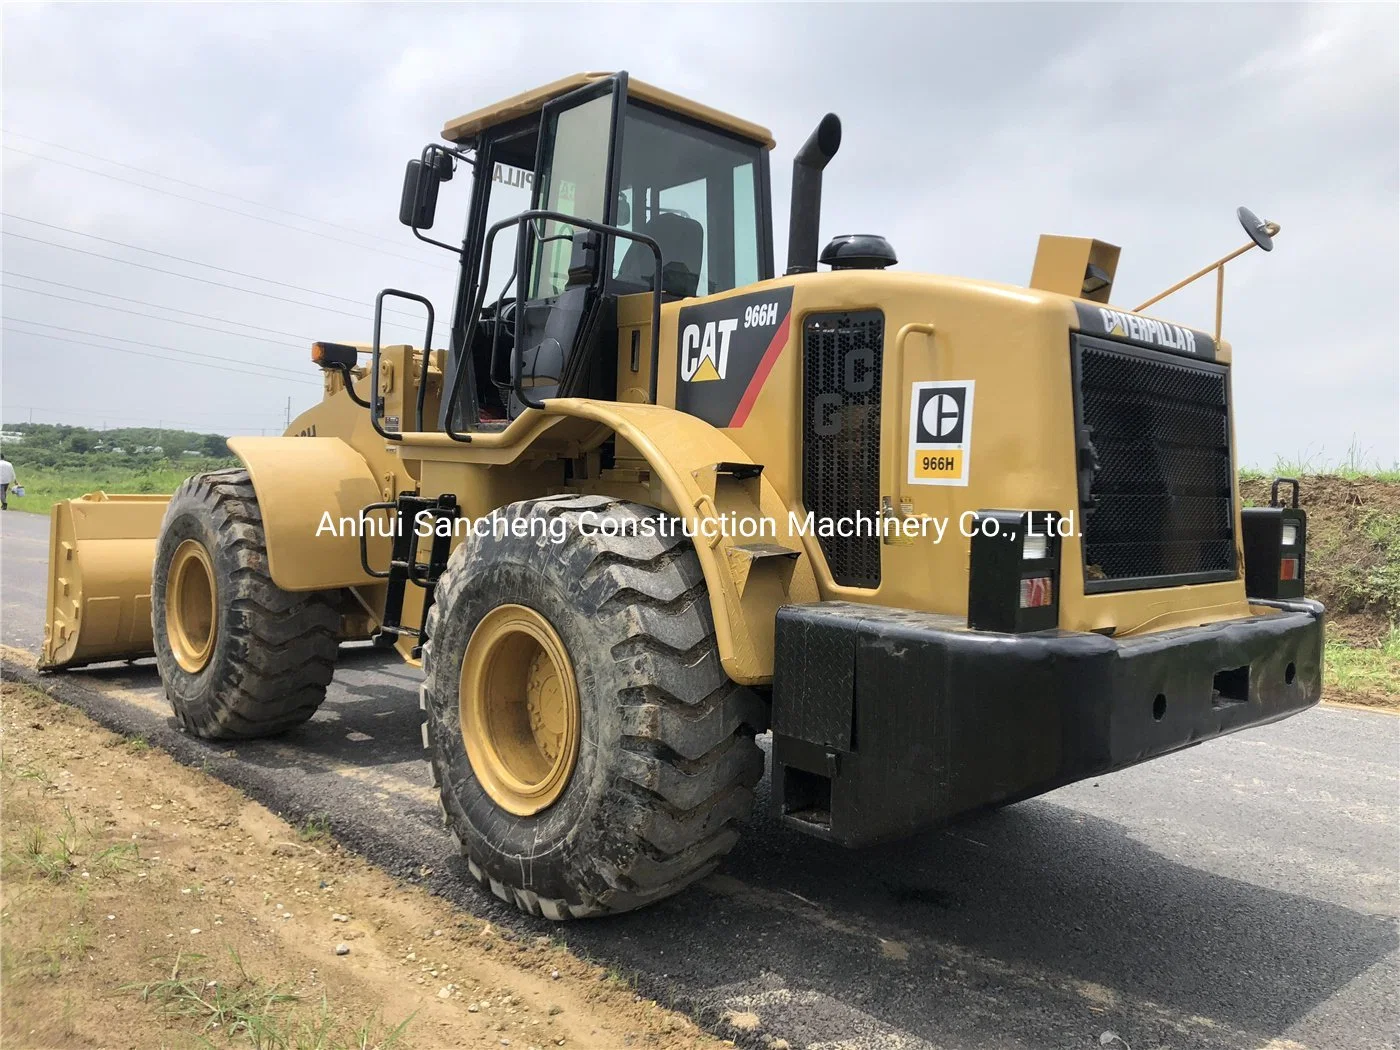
[887,721]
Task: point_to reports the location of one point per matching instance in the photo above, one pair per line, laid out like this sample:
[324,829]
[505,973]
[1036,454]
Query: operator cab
[608,188]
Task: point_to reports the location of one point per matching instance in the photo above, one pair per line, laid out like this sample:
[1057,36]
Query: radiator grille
[842,356]
[1159,510]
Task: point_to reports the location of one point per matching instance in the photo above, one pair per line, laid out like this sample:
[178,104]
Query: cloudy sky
[260,150]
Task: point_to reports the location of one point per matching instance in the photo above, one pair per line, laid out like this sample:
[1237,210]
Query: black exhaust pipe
[805,220]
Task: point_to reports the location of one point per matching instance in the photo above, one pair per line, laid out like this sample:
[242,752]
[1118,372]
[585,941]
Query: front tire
[608,761]
[239,656]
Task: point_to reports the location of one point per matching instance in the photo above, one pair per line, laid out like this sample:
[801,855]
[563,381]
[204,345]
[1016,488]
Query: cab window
[695,192]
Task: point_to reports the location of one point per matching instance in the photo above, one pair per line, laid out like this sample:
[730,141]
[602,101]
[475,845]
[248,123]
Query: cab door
[565,319]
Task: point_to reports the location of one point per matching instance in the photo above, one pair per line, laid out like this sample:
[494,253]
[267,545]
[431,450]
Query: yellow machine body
[1009,342]
[835,445]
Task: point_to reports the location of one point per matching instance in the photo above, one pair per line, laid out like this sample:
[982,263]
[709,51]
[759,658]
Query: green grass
[239,1009]
[315,828]
[1365,671]
[44,486]
[1356,465]
[48,853]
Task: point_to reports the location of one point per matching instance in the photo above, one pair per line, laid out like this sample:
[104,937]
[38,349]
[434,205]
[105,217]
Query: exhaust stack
[805,220]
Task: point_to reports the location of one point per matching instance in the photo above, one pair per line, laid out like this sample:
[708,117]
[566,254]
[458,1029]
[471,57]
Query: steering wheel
[502,338]
[505,320]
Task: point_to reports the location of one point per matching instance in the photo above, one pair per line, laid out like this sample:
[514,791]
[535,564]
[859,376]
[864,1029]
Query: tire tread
[689,763]
[277,678]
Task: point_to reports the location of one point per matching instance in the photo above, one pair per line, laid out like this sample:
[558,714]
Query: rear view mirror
[418,202]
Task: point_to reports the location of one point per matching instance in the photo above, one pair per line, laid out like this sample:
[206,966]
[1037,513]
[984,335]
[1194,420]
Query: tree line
[53,445]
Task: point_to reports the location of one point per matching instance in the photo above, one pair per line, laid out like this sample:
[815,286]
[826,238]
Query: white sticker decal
[940,433]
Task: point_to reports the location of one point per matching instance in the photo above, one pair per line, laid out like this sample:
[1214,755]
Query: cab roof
[527,102]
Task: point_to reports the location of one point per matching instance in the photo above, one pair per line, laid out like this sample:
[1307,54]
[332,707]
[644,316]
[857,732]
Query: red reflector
[1036,592]
[1288,569]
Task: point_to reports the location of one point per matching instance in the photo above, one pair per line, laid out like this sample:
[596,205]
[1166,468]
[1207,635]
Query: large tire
[264,662]
[666,759]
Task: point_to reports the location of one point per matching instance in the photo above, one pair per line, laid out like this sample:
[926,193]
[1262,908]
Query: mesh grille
[1161,494]
[842,357]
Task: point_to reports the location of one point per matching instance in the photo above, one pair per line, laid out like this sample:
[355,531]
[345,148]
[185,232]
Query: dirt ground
[147,905]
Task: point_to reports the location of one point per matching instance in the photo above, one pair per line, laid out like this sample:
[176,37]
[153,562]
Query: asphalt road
[1242,894]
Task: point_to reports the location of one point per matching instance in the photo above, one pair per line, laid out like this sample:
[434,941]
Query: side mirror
[418,202]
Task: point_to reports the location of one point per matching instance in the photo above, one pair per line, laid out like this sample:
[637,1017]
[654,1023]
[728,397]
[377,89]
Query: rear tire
[239,656]
[663,757]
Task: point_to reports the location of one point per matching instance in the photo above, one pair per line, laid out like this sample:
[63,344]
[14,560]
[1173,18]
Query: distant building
[11,435]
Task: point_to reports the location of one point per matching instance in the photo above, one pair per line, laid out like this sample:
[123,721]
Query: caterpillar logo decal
[940,433]
[727,349]
[705,357]
[1160,335]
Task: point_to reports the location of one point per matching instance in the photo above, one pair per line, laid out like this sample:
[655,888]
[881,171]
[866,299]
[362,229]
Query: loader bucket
[101,554]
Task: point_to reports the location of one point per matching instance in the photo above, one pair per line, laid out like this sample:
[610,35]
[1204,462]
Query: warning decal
[940,433]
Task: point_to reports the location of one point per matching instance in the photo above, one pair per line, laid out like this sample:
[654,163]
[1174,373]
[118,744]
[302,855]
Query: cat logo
[940,433]
[705,350]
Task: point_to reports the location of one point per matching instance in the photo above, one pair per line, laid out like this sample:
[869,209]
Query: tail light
[1014,571]
[1275,546]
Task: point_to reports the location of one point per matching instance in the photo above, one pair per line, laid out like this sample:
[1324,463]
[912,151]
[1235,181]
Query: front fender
[311,491]
[748,578]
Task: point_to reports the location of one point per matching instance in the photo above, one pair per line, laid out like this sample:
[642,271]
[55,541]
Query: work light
[1275,546]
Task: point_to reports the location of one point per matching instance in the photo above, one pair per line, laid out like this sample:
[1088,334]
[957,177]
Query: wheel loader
[952,543]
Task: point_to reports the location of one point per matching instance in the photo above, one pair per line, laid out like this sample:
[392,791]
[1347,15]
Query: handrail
[522,221]
[374,400]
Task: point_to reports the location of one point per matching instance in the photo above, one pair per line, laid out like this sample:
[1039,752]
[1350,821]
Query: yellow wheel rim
[519,709]
[191,622]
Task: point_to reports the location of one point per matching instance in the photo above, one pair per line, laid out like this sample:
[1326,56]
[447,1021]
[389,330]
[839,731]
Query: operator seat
[682,241]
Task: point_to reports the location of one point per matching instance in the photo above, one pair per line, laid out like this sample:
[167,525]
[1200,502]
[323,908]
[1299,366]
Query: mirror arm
[1218,264]
[1261,235]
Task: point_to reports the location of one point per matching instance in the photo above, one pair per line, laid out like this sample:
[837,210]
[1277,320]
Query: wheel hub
[519,709]
[191,620]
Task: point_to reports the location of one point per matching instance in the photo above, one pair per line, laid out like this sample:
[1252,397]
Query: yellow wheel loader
[954,543]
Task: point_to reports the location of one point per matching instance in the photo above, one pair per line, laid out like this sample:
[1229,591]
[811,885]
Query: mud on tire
[273,651]
[667,760]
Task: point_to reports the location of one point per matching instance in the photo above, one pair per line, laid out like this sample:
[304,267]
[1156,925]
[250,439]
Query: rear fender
[748,578]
